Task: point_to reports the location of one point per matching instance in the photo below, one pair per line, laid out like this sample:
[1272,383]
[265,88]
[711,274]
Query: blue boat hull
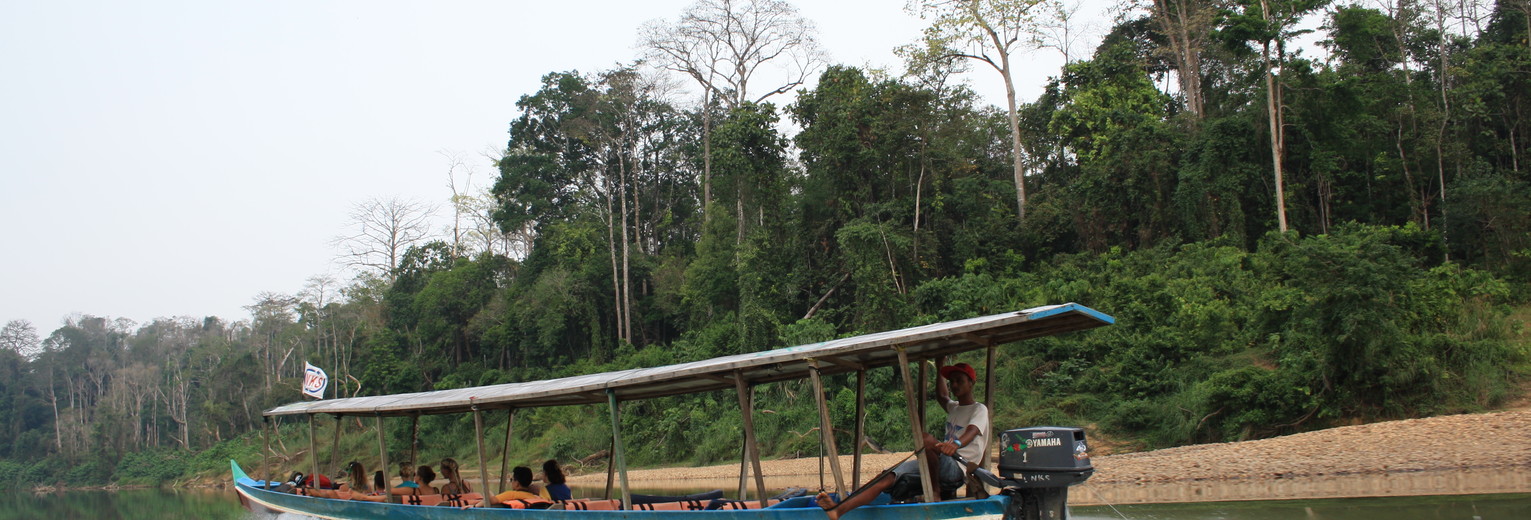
[991,508]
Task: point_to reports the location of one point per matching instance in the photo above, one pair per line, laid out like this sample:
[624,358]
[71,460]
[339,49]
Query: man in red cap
[967,422]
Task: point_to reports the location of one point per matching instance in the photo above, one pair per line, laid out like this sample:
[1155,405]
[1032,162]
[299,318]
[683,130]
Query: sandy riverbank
[1473,453]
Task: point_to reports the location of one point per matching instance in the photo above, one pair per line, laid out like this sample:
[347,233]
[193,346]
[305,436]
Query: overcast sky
[178,158]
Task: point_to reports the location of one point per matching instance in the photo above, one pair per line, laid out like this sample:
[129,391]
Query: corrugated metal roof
[837,356]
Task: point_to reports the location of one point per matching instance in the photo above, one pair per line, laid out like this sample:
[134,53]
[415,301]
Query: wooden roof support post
[923,397]
[335,448]
[744,455]
[616,442]
[611,468]
[382,451]
[744,472]
[827,428]
[265,455]
[988,401]
[861,422]
[313,451]
[751,444]
[918,427]
[414,440]
[483,464]
[510,422]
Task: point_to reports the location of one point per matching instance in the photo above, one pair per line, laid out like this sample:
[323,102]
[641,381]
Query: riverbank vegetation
[628,227]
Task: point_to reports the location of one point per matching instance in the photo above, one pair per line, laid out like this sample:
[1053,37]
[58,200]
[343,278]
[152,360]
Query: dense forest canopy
[631,226]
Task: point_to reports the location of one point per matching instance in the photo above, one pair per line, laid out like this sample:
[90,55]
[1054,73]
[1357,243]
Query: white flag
[314,381]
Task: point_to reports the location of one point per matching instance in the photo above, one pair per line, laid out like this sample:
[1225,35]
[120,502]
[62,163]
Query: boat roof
[833,357]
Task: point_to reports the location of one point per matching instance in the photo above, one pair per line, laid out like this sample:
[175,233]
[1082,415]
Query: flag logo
[314,381]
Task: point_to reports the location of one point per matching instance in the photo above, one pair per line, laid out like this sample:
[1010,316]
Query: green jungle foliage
[1399,291]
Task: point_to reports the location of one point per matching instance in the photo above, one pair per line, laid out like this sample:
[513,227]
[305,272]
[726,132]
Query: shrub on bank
[152,467]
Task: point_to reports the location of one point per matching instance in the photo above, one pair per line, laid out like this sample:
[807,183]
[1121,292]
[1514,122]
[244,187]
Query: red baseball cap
[959,368]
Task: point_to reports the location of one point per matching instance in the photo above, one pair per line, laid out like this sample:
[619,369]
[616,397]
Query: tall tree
[1187,25]
[991,32]
[1114,122]
[19,336]
[383,230]
[723,44]
[272,328]
[539,179]
[458,166]
[1271,24]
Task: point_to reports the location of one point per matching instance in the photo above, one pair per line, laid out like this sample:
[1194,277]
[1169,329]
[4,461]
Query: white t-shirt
[958,418]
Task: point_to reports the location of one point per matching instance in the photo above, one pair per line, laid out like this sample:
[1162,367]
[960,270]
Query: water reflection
[1463,507]
[1455,482]
[157,504]
[136,504]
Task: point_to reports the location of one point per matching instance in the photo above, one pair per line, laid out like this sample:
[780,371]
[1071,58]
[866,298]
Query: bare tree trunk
[177,404]
[739,210]
[706,152]
[1178,24]
[627,296]
[138,421]
[154,422]
[1514,152]
[58,430]
[919,185]
[1015,120]
[1015,141]
[1440,160]
[1273,107]
[616,275]
[1416,194]
[453,162]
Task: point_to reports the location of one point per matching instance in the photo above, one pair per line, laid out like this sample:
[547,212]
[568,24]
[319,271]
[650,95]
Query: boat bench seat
[742,504]
[528,503]
[592,505]
[420,500]
[680,505]
[463,500]
[470,499]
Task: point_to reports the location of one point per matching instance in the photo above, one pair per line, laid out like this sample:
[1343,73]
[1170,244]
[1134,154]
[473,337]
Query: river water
[218,505]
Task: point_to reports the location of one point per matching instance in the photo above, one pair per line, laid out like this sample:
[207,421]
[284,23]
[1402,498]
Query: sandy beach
[1456,454]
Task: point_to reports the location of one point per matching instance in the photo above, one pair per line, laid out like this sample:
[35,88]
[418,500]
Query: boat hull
[327,508]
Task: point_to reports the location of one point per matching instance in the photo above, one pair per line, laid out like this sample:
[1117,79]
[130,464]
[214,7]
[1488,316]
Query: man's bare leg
[862,497]
[869,492]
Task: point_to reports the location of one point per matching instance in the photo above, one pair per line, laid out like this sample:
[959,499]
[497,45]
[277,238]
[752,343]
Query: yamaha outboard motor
[1036,468]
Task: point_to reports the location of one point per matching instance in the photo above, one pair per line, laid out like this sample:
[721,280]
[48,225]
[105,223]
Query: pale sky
[166,159]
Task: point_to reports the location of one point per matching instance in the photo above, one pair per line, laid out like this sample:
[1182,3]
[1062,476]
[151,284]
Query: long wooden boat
[792,510]
[1021,489]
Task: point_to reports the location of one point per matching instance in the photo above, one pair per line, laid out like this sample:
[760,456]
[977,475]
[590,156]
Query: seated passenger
[299,480]
[326,487]
[379,483]
[521,488]
[967,421]
[407,486]
[553,475]
[358,476]
[423,477]
[455,484]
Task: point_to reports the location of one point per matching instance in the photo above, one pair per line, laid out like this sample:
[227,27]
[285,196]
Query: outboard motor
[1036,467]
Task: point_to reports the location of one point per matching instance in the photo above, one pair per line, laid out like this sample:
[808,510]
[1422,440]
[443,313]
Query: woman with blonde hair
[455,484]
[407,484]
